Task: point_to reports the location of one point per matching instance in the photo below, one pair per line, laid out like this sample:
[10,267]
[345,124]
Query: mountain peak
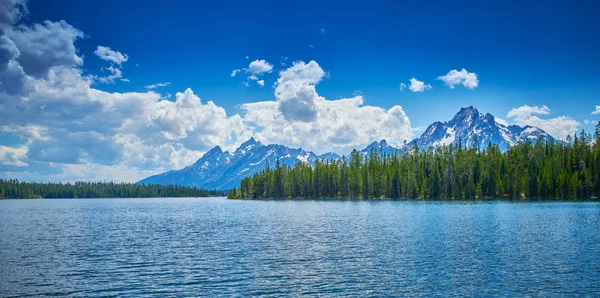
[466,115]
[249,143]
[381,147]
[468,109]
[470,126]
[214,151]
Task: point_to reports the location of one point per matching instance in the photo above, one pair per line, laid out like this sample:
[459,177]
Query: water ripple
[215,247]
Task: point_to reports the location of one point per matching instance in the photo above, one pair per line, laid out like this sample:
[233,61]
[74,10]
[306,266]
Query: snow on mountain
[224,170]
[221,170]
[469,125]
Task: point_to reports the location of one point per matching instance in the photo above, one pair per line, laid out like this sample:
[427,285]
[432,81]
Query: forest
[567,169]
[14,189]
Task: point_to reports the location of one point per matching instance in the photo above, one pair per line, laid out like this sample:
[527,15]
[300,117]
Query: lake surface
[216,247]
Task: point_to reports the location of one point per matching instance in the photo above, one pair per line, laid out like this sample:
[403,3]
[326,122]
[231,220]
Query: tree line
[567,169]
[15,189]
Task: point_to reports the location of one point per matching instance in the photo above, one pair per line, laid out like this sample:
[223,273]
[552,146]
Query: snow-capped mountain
[218,169]
[225,170]
[381,147]
[468,124]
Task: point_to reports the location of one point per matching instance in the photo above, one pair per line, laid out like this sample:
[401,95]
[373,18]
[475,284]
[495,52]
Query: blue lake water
[216,247]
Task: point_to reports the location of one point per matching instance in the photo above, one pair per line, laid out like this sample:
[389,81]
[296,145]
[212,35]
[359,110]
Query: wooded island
[544,170]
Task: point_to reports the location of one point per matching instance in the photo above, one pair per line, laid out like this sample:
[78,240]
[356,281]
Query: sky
[115,90]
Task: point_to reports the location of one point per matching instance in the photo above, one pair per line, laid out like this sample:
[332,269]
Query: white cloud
[597,111]
[301,118]
[586,121]
[116,59]
[72,123]
[154,86]
[105,53]
[32,50]
[463,77]
[116,73]
[258,67]
[255,69]
[10,156]
[46,45]
[418,86]
[558,127]
[402,87]
[71,130]
[296,91]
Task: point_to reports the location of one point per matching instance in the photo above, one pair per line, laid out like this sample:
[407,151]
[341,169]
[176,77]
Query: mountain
[222,170]
[468,124]
[381,147]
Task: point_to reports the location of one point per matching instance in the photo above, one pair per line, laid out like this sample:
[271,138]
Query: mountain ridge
[469,125]
[218,169]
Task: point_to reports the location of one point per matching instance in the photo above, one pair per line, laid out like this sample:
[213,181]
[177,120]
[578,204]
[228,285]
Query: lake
[218,247]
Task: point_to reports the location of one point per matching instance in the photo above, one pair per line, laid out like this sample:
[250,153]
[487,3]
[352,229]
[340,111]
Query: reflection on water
[216,247]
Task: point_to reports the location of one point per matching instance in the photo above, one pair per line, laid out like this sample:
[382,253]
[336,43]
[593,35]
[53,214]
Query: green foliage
[569,169]
[17,189]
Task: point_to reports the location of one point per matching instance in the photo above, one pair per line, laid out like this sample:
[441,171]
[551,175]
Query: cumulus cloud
[46,45]
[154,86]
[402,87]
[463,77]
[299,117]
[10,156]
[255,69]
[597,111]
[32,50]
[67,122]
[258,67]
[72,130]
[296,91]
[558,127]
[106,54]
[418,86]
[10,12]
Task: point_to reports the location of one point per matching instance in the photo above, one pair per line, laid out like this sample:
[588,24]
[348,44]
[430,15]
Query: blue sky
[523,52]
[539,60]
